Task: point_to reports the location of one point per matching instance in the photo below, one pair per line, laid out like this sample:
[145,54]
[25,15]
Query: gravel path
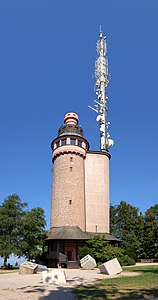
[30,287]
[20,287]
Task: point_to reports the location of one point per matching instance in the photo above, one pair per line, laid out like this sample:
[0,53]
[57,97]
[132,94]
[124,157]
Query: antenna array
[100,106]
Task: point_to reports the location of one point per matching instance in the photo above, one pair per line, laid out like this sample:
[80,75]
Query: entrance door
[70,251]
[70,255]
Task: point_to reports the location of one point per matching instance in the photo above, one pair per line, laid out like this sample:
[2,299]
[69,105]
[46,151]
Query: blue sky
[47,58]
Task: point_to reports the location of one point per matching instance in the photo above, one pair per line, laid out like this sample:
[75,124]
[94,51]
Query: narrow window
[79,143]
[63,142]
[70,168]
[58,144]
[70,202]
[72,141]
[71,158]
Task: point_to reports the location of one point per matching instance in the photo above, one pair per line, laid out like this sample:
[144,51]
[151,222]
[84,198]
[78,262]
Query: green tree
[94,247]
[150,240]
[127,224]
[12,212]
[21,231]
[33,233]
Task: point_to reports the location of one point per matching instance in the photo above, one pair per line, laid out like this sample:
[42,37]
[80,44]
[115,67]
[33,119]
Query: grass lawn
[143,286]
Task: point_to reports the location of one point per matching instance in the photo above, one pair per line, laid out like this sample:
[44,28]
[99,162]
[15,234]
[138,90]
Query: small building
[63,245]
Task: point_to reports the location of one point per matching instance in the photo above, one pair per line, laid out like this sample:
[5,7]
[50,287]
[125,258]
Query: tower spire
[102,81]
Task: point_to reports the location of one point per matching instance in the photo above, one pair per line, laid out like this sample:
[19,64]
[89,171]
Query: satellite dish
[110,143]
[98,118]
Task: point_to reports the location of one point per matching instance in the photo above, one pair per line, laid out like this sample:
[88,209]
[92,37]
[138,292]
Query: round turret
[69,152]
[71,118]
[70,138]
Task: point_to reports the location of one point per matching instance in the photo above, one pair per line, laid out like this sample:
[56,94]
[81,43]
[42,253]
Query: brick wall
[68,206]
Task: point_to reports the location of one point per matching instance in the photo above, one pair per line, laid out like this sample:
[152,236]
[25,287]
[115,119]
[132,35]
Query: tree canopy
[21,231]
[150,239]
[138,233]
[33,233]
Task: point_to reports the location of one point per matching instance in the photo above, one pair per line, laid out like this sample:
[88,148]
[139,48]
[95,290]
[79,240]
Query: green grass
[143,286]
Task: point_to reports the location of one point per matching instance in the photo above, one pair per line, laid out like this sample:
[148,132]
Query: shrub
[101,251]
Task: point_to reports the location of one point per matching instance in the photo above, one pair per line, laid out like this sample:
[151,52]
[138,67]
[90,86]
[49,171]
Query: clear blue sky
[47,55]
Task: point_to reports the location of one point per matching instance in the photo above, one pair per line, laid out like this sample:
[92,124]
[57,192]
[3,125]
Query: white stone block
[58,276]
[88,262]
[46,276]
[111,267]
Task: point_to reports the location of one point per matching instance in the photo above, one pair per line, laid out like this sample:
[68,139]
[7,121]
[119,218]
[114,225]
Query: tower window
[70,202]
[72,141]
[63,142]
[58,144]
[70,168]
[71,158]
[79,143]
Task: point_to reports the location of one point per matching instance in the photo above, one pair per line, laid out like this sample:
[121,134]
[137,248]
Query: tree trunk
[5,262]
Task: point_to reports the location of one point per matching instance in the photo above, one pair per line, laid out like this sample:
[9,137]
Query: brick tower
[68,193]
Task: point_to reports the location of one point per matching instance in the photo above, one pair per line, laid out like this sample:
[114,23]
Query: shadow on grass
[111,292]
[143,286]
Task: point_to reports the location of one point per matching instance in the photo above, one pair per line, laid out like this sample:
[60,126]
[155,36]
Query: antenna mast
[101,75]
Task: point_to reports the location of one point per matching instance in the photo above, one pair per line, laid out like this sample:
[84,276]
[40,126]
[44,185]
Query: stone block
[88,262]
[42,268]
[28,267]
[46,276]
[111,267]
[56,276]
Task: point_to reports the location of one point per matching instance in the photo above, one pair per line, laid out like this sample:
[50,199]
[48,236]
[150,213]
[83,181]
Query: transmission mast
[101,83]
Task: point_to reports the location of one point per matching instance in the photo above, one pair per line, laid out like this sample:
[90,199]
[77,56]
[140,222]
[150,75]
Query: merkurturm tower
[80,189]
[68,194]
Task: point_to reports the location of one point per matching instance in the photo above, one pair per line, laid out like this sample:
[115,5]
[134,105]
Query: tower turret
[69,151]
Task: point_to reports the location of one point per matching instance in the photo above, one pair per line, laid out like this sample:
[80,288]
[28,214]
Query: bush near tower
[102,251]
[21,230]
